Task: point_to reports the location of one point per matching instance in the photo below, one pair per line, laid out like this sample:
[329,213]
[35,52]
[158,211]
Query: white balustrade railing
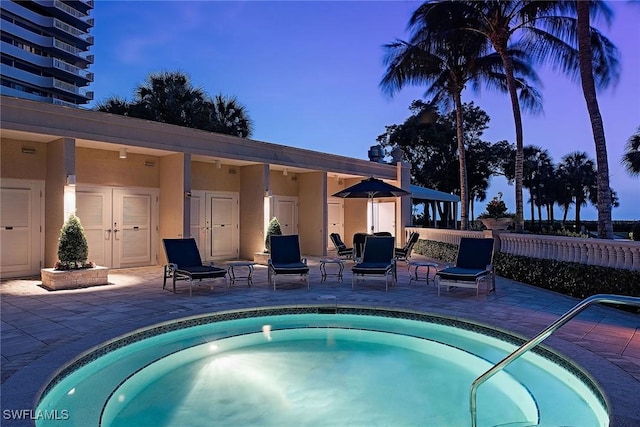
[623,254]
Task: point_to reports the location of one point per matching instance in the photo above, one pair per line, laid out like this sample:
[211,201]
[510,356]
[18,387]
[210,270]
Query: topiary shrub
[273,229]
[73,249]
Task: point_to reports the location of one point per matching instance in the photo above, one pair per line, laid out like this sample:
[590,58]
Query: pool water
[317,369]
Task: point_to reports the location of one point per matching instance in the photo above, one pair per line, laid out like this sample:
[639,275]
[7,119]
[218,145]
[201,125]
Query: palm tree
[537,169]
[631,157]
[579,178]
[115,105]
[536,27]
[169,97]
[446,66]
[587,64]
[228,116]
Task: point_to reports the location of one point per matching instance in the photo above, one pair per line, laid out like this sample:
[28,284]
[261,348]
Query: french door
[215,222]
[121,225]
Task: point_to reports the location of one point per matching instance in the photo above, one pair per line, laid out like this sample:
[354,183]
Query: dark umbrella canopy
[369,189]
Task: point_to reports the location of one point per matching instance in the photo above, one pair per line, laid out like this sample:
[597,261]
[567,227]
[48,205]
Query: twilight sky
[308,73]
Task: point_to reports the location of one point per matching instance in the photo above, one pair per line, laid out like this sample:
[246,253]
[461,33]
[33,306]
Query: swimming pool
[318,366]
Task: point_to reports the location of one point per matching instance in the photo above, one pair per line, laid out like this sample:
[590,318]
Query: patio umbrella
[369,189]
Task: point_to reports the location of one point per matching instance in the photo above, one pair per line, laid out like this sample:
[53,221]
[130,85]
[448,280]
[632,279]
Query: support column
[60,199]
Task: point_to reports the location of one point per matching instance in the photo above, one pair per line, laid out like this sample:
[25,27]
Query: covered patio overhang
[440,208]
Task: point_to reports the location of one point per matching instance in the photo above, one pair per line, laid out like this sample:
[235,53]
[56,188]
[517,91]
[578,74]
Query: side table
[416,265]
[237,264]
[323,268]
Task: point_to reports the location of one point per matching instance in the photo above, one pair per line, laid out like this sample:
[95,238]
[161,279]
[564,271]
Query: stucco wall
[103,167]
[174,206]
[16,164]
[254,181]
[284,185]
[60,159]
[355,214]
[312,213]
[206,176]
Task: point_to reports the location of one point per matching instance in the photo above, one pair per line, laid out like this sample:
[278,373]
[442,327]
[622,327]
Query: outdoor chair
[184,263]
[358,244]
[377,259]
[285,258]
[473,265]
[341,249]
[404,253]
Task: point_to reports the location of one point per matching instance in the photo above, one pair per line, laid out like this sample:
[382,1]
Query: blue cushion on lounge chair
[472,264]
[184,263]
[457,273]
[285,258]
[341,249]
[371,268]
[377,259]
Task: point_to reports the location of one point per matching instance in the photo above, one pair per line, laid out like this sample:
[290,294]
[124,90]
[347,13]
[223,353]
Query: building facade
[45,50]
[133,182]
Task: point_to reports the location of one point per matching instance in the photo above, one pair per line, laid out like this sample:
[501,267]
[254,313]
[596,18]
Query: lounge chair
[473,265]
[404,253]
[341,249]
[358,244]
[184,263]
[286,259]
[377,259]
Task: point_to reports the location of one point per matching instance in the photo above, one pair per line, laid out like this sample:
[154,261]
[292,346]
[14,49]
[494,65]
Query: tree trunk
[532,211]
[464,199]
[517,118]
[605,227]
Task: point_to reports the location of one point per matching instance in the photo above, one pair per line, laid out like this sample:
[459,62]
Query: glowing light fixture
[123,153]
[285,172]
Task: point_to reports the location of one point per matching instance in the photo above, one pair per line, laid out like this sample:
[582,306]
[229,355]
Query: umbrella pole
[371,201]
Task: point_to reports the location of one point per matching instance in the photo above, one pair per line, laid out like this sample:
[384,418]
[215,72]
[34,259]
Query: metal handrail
[600,298]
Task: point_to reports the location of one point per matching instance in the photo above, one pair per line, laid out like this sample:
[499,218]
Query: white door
[132,233]
[93,208]
[197,227]
[384,217]
[215,224]
[223,234]
[286,210]
[21,222]
[120,225]
[335,219]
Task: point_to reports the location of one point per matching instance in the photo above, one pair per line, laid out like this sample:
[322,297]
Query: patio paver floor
[42,330]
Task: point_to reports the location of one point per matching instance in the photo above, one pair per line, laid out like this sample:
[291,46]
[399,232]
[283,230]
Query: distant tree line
[169,97]
[428,140]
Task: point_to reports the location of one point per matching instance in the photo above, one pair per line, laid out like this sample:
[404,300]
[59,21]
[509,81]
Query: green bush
[73,249]
[569,278]
[273,229]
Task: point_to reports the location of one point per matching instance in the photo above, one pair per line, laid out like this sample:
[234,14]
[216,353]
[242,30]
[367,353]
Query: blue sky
[308,73]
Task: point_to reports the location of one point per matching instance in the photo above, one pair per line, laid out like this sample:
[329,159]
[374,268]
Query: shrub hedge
[569,278]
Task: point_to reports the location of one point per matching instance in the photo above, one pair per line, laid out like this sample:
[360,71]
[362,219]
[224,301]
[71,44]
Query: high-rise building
[45,50]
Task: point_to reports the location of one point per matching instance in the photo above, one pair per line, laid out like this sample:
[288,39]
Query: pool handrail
[594,299]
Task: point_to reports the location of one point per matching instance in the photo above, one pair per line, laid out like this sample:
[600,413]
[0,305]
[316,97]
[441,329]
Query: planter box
[496,223]
[74,279]
[261,258]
